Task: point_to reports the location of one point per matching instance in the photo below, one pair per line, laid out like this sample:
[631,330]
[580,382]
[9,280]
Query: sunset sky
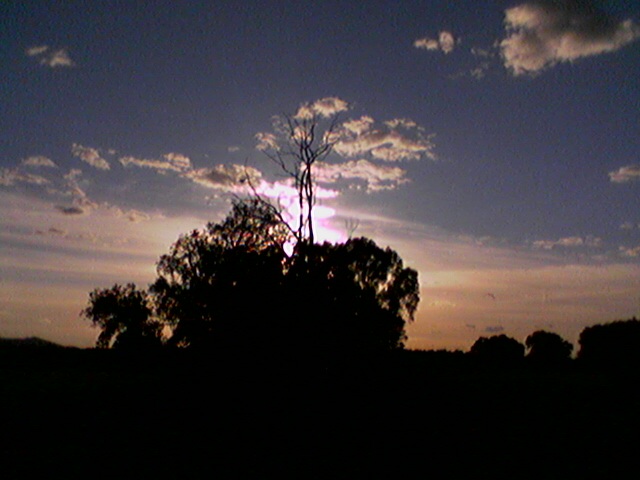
[495,147]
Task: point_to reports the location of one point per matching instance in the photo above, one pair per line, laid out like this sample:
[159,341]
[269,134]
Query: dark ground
[93,414]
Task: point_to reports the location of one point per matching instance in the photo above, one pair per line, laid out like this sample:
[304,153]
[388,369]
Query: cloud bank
[542,34]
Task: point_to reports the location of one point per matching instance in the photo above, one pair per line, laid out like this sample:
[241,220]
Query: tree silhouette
[548,348]
[215,285]
[298,143]
[353,295]
[611,343]
[232,285]
[124,317]
[498,349]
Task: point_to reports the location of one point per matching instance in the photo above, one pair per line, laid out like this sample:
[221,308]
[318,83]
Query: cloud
[228,178]
[172,161]
[494,329]
[394,140]
[9,177]
[90,156]
[625,174]
[81,204]
[445,42]
[376,177]
[266,141]
[71,210]
[629,226]
[35,51]
[324,107]
[38,161]
[134,216]
[569,242]
[630,252]
[542,34]
[52,231]
[49,57]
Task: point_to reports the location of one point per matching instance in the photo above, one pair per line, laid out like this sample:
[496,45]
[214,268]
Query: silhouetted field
[95,413]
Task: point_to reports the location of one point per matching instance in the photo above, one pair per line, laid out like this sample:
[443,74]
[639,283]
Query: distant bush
[498,349]
[548,348]
[611,343]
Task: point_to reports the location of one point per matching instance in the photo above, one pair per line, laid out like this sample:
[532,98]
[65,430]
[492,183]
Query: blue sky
[495,147]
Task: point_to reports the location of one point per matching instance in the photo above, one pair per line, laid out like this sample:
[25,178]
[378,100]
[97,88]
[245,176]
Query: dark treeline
[194,413]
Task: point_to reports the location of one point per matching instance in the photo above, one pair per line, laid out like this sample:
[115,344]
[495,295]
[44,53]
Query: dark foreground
[94,414]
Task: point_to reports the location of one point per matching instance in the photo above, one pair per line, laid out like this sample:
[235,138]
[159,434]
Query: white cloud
[629,226]
[172,161]
[38,161]
[229,178]
[134,216]
[50,58]
[90,156]
[568,242]
[630,252]
[542,34]
[395,140]
[59,58]
[625,174]
[445,42]
[266,141]
[80,204]
[324,107]
[35,51]
[359,125]
[376,177]
[9,177]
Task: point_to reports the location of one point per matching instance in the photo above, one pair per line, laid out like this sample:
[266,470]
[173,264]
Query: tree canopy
[124,317]
[498,349]
[548,348]
[611,343]
[232,285]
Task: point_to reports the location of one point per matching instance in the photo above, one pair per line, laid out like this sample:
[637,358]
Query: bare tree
[300,141]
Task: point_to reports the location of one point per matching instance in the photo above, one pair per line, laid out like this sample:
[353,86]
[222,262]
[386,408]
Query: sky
[494,145]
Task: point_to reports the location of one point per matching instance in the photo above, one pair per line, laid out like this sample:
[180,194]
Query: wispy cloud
[56,232]
[90,156]
[80,202]
[71,210]
[394,140]
[11,176]
[228,178]
[38,161]
[445,42]
[171,161]
[50,57]
[375,177]
[324,107]
[629,226]
[632,252]
[543,33]
[625,174]
[494,329]
[569,242]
